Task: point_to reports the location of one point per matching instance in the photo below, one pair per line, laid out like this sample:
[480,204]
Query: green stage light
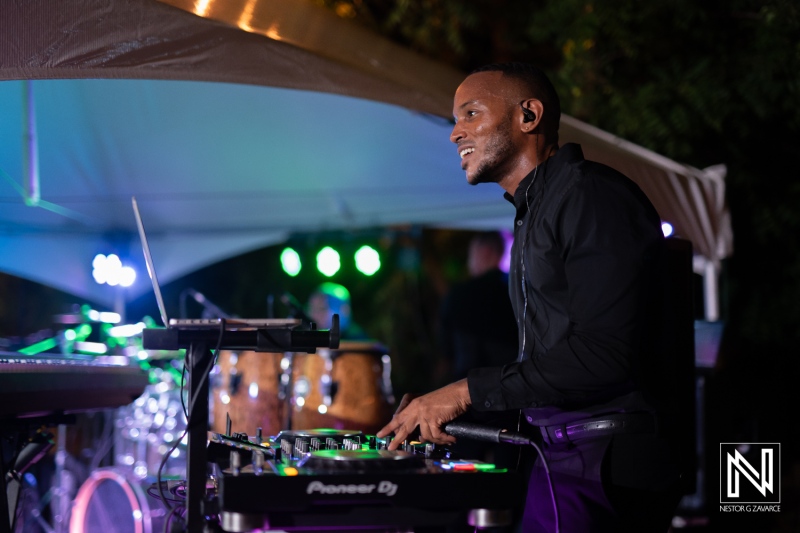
[290,261]
[39,347]
[367,260]
[328,261]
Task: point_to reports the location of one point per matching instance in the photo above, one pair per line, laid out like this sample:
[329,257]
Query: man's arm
[607,238]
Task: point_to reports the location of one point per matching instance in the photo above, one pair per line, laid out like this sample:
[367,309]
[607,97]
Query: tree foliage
[701,82]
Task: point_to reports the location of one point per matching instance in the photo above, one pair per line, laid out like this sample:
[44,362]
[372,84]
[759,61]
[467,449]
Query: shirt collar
[569,153]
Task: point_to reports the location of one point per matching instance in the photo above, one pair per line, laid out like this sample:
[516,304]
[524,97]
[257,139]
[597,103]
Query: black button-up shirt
[585,242]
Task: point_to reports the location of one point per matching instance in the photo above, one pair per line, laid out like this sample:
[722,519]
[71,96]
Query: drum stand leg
[200,359]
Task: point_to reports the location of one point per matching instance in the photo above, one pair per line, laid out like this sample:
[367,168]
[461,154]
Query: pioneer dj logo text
[750,474]
[384,487]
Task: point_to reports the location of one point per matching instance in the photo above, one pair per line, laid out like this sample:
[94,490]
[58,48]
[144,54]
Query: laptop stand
[199,356]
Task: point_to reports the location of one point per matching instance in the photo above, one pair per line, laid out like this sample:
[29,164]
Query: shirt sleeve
[607,234]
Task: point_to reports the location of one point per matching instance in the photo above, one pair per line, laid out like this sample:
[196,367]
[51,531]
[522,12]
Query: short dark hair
[536,81]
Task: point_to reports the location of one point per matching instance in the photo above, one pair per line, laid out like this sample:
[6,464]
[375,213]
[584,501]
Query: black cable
[183,382]
[169,518]
[161,469]
[210,366]
[192,401]
[549,482]
[152,492]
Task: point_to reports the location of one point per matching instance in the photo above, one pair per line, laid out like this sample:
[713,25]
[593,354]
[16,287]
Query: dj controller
[338,480]
[321,479]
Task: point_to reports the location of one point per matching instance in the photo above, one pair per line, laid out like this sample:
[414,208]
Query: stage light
[367,260]
[39,347]
[108,269]
[666,228]
[113,266]
[104,316]
[290,261]
[128,330]
[95,348]
[127,276]
[328,261]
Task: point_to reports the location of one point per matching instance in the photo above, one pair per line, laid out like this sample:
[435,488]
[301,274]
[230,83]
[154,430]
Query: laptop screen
[151,270]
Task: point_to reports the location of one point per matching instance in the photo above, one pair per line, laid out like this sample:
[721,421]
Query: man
[478,329]
[477,324]
[329,299]
[584,266]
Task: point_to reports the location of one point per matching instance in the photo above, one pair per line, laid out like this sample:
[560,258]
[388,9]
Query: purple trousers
[620,484]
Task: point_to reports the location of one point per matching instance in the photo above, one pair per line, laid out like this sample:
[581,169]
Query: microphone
[469,430]
[295,307]
[207,304]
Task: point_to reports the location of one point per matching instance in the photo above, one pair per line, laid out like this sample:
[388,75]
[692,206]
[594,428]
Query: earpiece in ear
[529,116]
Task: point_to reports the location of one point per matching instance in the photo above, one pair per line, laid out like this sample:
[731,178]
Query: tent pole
[710,292]
[30,143]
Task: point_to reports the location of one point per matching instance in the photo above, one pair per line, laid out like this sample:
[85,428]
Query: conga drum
[248,386]
[112,499]
[347,388]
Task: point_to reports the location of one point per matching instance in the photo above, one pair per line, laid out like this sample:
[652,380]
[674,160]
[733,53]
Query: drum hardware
[112,499]
[345,387]
[386,381]
[285,380]
[234,382]
[147,428]
[349,387]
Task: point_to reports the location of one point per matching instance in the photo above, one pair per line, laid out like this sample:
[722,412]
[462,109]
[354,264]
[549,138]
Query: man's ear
[530,114]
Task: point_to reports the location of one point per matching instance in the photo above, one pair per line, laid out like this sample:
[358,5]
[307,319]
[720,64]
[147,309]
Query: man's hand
[430,412]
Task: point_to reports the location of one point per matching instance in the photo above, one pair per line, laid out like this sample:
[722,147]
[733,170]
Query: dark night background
[700,82]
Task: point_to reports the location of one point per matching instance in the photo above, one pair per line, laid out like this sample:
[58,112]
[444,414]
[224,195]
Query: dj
[586,248]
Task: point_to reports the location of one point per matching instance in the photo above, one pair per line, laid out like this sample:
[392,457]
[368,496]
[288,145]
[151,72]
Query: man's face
[483,130]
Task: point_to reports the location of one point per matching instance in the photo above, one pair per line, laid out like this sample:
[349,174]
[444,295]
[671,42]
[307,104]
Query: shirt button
[519,222]
[487,403]
[530,419]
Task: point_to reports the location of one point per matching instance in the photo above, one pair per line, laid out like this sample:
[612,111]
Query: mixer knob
[429,449]
[373,442]
[300,447]
[286,448]
[258,462]
[315,443]
[259,436]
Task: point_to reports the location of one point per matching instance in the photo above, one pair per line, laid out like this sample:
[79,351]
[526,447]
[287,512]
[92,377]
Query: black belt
[599,427]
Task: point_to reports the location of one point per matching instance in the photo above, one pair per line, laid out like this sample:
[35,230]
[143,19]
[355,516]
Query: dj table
[320,480]
[338,480]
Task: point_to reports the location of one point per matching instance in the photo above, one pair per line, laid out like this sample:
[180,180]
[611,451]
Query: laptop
[195,323]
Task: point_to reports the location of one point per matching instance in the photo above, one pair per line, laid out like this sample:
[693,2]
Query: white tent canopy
[231,140]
